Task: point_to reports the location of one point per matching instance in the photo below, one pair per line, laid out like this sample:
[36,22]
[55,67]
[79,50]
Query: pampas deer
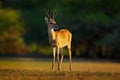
[58,40]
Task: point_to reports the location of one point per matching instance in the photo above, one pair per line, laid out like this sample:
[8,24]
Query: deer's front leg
[61,56]
[53,62]
[58,49]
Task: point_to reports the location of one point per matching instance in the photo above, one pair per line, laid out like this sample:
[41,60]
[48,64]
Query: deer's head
[51,21]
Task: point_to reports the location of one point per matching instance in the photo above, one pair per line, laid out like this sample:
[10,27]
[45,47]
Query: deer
[58,39]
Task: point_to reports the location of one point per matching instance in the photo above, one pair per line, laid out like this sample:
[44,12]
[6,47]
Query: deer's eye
[50,23]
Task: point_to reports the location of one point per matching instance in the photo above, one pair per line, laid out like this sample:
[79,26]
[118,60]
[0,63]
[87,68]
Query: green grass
[40,69]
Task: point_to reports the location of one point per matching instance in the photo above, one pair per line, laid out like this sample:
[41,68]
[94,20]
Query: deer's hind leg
[70,57]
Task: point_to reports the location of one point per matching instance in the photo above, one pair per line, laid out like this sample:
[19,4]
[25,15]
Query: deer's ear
[46,19]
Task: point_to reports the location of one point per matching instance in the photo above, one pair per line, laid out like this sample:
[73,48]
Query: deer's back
[63,37]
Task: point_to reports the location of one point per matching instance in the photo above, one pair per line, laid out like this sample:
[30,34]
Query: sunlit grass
[39,69]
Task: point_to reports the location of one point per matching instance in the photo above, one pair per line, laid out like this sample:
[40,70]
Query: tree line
[94,24]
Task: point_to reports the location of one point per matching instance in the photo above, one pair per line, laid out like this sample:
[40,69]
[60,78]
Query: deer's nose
[57,26]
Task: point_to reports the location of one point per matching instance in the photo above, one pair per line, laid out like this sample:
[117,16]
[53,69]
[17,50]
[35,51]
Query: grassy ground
[40,69]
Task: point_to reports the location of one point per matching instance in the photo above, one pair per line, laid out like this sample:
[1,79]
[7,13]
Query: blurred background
[95,25]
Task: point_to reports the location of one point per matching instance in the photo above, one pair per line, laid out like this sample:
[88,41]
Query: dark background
[95,25]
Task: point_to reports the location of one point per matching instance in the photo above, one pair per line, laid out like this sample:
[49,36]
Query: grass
[40,69]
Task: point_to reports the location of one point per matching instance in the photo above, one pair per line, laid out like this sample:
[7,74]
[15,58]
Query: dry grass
[40,69]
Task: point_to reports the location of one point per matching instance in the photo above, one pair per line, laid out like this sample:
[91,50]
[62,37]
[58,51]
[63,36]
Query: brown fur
[63,38]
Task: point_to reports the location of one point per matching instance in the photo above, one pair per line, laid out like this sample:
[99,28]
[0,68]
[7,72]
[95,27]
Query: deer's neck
[51,34]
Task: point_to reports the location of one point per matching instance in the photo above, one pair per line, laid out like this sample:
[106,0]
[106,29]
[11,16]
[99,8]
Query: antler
[47,13]
[54,13]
